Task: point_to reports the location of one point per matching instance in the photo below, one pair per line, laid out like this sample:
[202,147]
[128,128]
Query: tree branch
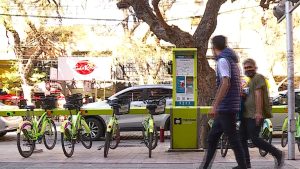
[145,12]
[159,15]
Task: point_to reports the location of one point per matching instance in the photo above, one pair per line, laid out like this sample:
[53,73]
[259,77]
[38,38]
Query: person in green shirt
[256,109]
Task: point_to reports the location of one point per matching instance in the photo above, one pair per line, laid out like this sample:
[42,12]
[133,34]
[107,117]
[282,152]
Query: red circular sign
[85,67]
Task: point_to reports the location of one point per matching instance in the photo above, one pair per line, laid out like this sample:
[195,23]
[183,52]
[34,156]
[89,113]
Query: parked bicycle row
[75,129]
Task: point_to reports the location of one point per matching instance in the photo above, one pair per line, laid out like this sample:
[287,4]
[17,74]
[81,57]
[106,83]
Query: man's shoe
[237,167]
[279,160]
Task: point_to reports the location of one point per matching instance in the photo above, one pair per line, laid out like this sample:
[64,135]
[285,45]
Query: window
[157,93]
[133,95]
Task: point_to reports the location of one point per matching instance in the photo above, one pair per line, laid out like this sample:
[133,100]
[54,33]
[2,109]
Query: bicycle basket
[75,99]
[123,106]
[49,102]
[160,107]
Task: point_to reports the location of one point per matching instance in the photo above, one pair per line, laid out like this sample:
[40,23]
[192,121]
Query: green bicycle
[265,133]
[75,128]
[150,135]
[34,130]
[112,135]
[284,135]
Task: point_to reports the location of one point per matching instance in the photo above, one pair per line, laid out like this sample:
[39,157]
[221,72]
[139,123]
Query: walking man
[256,109]
[226,103]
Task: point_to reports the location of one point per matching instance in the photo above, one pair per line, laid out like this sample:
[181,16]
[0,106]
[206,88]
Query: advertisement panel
[184,115]
[185,61]
[84,68]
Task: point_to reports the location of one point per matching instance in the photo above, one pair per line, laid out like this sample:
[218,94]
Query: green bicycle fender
[110,125]
[284,125]
[21,124]
[151,125]
[269,125]
[86,126]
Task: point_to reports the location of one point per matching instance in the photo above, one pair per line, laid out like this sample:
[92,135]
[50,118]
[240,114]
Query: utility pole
[290,71]
[284,10]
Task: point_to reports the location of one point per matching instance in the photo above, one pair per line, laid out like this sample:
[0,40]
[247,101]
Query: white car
[282,99]
[130,122]
[8,124]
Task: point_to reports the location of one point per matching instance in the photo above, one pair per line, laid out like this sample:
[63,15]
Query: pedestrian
[256,109]
[226,103]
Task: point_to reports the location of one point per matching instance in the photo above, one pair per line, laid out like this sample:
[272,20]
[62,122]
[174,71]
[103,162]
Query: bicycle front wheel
[150,141]
[268,138]
[284,138]
[154,138]
[115,138]
[85,137]
[67,144]
[224,145]
[50,135]
[108,136]
[24,142]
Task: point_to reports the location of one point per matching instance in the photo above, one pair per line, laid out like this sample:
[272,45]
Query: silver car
[131,122]
[8,124]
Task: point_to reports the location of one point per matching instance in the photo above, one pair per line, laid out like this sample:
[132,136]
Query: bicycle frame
[75,123]
[110,126]
[149,124]
[36,133]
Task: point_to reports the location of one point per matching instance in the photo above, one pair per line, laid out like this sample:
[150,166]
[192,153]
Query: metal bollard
[161,134]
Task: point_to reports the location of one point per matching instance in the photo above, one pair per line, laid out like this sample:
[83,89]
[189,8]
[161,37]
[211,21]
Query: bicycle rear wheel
[284,138]
[50,135]
[268,138]
[85,137]
[115,138]
[24,142]
[67,143]
[224,145]
[108,136]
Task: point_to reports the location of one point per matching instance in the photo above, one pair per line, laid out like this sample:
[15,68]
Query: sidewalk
[131,154]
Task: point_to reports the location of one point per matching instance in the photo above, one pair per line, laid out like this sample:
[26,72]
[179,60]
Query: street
[131,154]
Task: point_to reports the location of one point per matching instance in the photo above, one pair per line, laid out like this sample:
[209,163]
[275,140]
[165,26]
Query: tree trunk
[174,35]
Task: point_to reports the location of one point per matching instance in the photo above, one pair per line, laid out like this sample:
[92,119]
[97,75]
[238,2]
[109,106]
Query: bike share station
[184,114]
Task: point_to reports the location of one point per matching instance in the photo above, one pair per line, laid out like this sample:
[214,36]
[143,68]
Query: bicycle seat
[29,107]
[151,106]
[69,106]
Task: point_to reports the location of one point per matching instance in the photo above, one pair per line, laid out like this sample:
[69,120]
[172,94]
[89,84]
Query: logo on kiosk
[85,67]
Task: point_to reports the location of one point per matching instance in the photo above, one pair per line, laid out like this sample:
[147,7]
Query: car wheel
[96,127]
[3,133]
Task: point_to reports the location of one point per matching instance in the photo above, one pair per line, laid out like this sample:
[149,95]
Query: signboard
[185,64]
[84,68]
[184,118]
